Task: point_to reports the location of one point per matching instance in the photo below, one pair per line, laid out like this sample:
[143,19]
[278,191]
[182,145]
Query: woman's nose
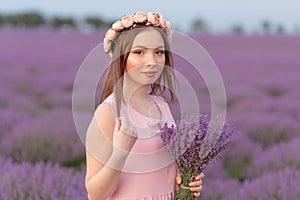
[151,60]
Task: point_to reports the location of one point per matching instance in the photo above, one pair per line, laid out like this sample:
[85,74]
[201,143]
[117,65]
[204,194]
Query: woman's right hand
[124,137]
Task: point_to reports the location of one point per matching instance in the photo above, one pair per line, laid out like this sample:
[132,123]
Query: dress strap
[111,100]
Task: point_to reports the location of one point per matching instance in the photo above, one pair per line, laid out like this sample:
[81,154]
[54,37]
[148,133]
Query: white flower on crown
[168,26]
[110,34]
[153,18]
[106,45]
[139,17]
[117,26]
[162,21]
[130,21]
[127,21]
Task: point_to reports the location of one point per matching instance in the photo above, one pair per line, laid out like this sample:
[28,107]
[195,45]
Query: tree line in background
[34,19]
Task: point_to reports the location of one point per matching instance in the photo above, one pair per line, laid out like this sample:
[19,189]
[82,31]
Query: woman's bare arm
[101,181]
[103,136]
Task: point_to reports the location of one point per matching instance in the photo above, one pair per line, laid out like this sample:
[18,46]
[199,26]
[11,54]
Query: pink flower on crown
[162,21]
[110,34]
[106,45]
[127,21]
[118,26]
[153,18]
[168,26]
[169,30]
[139,17]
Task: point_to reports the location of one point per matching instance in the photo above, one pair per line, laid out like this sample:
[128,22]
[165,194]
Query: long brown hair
[121,48]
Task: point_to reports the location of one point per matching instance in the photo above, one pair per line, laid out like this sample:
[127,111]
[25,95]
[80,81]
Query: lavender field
[42,157]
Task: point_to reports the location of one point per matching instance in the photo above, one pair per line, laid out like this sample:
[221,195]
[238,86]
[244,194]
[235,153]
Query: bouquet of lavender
[193,143]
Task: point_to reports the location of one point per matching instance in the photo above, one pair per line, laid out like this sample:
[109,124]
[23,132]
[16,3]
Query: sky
[220,15]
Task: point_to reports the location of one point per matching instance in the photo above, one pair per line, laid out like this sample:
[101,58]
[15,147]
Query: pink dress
[149,171]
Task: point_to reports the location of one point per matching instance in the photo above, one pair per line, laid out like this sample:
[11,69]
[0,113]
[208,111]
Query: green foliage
[30,19]
[266,26]
[95,22]
[59,22]
[1,20]
[199,25]
[76,163]
[238,29]
[35,19]
[236,169]
[280,29]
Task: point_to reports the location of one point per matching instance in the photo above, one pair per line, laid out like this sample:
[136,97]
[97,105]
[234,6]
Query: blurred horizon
[212,16]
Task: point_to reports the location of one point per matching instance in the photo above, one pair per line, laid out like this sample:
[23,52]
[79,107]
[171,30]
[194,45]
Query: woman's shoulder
[106,108]
[103,120]
[109,99]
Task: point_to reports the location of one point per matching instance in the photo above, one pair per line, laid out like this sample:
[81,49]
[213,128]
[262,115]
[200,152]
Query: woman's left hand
[195,186]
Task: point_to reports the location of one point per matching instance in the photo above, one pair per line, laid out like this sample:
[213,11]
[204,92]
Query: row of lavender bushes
[261,77]
[39,181]
[42,156]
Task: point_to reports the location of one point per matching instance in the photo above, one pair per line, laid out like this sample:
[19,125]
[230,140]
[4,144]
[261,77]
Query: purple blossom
[195,142]
[10,119]
[276,158]
[217,189]
[50,138]
[216,170]
[240,155]
[39,181]
[272,185]
[266,129]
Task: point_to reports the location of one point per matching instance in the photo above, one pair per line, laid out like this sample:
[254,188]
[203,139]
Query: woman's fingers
[178,180]
[200,176]
[196,194]
[196,189]
[196,186]
[196,183]
[127,127]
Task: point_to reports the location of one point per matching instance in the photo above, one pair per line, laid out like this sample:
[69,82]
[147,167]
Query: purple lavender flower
[276,158]
[241,153]
[10,119]
[265,128]
[282,184]
[217,189]
[195,142]
[40,181]
[50,138]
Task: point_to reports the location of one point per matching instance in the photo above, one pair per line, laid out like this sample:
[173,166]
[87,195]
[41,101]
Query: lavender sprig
[193,143]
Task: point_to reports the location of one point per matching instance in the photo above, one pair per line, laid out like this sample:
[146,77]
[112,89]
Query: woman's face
[146,58]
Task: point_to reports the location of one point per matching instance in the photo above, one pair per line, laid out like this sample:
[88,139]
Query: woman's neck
[131,95]
[133,91]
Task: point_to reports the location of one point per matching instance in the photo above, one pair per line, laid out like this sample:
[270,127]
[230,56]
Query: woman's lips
[150,73]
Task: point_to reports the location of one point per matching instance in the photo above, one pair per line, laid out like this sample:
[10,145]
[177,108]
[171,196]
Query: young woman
[125,157]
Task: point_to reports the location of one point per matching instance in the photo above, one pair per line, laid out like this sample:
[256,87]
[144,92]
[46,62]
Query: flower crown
[131,21]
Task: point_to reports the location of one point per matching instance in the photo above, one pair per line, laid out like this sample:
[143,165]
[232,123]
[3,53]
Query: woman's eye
[137,52]
[160,52]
